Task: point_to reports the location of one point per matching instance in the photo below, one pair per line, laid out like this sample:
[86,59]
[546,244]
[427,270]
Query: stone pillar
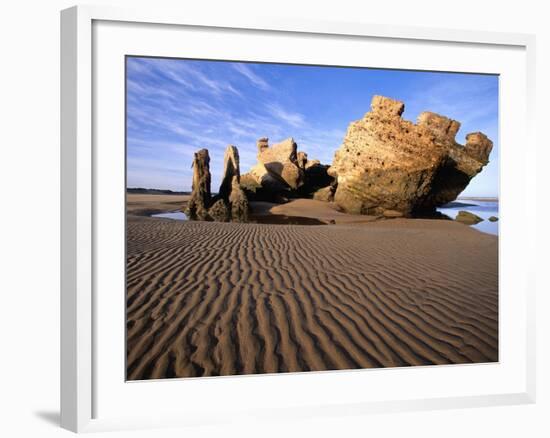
[197,207]
[230,170]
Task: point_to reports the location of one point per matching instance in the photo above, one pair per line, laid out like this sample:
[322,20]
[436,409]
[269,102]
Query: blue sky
[175,107]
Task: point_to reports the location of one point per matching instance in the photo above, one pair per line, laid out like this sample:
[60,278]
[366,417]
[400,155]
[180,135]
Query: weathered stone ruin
[387,163]
[231,203]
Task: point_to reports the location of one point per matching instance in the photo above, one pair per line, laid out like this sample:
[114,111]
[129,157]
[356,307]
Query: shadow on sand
[281,219]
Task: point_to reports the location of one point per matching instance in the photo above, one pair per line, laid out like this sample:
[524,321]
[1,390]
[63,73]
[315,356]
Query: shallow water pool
[483,209]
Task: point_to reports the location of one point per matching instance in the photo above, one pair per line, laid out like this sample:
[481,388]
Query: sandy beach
[208,298]
[145,205]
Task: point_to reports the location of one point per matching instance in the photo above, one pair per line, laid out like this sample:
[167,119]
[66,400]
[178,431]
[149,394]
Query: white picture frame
[81,369]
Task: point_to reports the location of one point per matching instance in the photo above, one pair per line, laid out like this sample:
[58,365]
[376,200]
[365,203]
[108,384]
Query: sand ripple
[208,299]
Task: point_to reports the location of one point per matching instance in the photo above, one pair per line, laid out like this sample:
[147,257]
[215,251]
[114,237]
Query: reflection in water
[177,215]
[278,219]
[483,209]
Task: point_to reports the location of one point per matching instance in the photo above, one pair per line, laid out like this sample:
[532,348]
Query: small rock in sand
[468,218]
[392,214]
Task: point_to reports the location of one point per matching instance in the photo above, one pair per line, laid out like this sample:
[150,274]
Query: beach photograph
[285,218]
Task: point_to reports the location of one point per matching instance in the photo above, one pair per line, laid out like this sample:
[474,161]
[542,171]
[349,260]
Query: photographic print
[295,218]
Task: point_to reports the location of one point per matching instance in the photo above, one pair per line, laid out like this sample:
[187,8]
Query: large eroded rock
[387,163]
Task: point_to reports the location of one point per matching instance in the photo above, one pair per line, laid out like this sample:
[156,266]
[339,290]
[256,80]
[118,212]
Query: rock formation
[230,190]
[281,161]
[230,170]
[387,163]
[279,171]
[199,202]
[316,178]
[301,160]
[386,166]
[238,202]
[230,203]
[325,194]
[283,172]
[219,212]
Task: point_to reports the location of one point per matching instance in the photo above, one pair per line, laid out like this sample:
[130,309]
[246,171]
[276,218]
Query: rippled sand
[207,299]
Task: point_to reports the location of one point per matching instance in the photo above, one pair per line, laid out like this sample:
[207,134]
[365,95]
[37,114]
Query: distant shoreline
[144,191]
[477,198]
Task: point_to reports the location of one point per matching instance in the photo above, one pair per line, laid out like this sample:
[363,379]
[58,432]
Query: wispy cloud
[292,118]
[218,86]
[247,72]
[175,107]
[184,74]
